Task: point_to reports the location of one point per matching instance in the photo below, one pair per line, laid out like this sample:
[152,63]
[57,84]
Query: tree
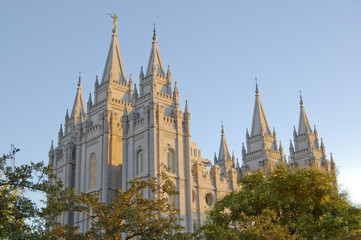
[130,213]
[285,204]
[20,217]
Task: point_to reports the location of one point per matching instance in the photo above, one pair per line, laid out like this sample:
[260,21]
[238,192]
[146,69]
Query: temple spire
[78,106]
[259,121]
[155,62]
[186,110]
[303,124]
[223,148]
[114,69]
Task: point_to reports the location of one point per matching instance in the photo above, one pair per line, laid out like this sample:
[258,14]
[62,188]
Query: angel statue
[115,19]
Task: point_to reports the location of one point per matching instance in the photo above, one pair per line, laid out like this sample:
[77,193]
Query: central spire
[223,148]
[303,124]
[114,69]
[78,106]
[259,121]
[155,62]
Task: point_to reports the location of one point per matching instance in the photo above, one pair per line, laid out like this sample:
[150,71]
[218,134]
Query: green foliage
[142,211]
[285,204]
[20,218]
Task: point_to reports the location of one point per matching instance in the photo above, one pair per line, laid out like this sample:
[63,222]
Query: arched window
[139,162]
[209,199]
[171,161]
[92,170]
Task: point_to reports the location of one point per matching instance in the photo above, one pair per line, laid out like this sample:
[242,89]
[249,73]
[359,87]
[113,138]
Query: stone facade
[126,133]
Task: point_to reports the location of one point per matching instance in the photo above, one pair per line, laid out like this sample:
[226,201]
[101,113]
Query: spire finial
[257,91]
[222,127]
[301,101]
[79,82]
[154,34]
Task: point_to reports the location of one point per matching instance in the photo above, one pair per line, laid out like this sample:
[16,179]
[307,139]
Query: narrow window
[92,170]
[139,162]
[171,161]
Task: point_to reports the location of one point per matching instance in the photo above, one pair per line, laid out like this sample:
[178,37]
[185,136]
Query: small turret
[294,132]
[323,149]
[96,84]
[187,118]
[333,165]
[292,150]
[141,74]
[238,166]
[282,152]
[60,134]
[233,159]
[66,115]
[131,83]
[243,151]
[169,73]
[274,133]
[169,82]
[125,113]
[215,157]
[247,134]
[90,103]
[135,95]
[186,110]
[176,94]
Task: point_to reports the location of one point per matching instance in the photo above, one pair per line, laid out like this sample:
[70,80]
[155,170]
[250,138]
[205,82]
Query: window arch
[209,199]
[171,161]
[92,170]
[139,162]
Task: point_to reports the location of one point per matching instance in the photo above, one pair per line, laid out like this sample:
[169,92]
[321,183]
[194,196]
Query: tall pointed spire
[175,92]
[141,74]
[114,69]
[223,148]
[303,124]
[186,110]
[66,115]
[259,121]
[78,106]
[155,62]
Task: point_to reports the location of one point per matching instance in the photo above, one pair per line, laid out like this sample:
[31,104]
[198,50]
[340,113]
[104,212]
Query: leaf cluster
[285,204]
[143,211]
[20,218]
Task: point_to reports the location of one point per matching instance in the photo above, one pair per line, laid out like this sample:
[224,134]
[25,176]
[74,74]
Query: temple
[129,130]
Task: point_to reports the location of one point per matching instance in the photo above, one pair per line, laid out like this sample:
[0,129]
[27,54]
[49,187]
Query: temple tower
[156,132]
[262,150]
[307,150]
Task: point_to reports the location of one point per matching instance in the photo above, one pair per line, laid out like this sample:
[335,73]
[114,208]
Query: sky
[215,50]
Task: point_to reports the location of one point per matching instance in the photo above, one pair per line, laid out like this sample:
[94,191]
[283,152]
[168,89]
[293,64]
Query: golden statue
[115,19]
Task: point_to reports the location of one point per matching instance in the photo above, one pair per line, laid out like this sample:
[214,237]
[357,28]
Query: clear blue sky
[215,50]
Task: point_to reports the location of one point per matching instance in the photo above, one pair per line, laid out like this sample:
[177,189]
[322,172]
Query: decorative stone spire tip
[257,91]
[79,82]
[154,34]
